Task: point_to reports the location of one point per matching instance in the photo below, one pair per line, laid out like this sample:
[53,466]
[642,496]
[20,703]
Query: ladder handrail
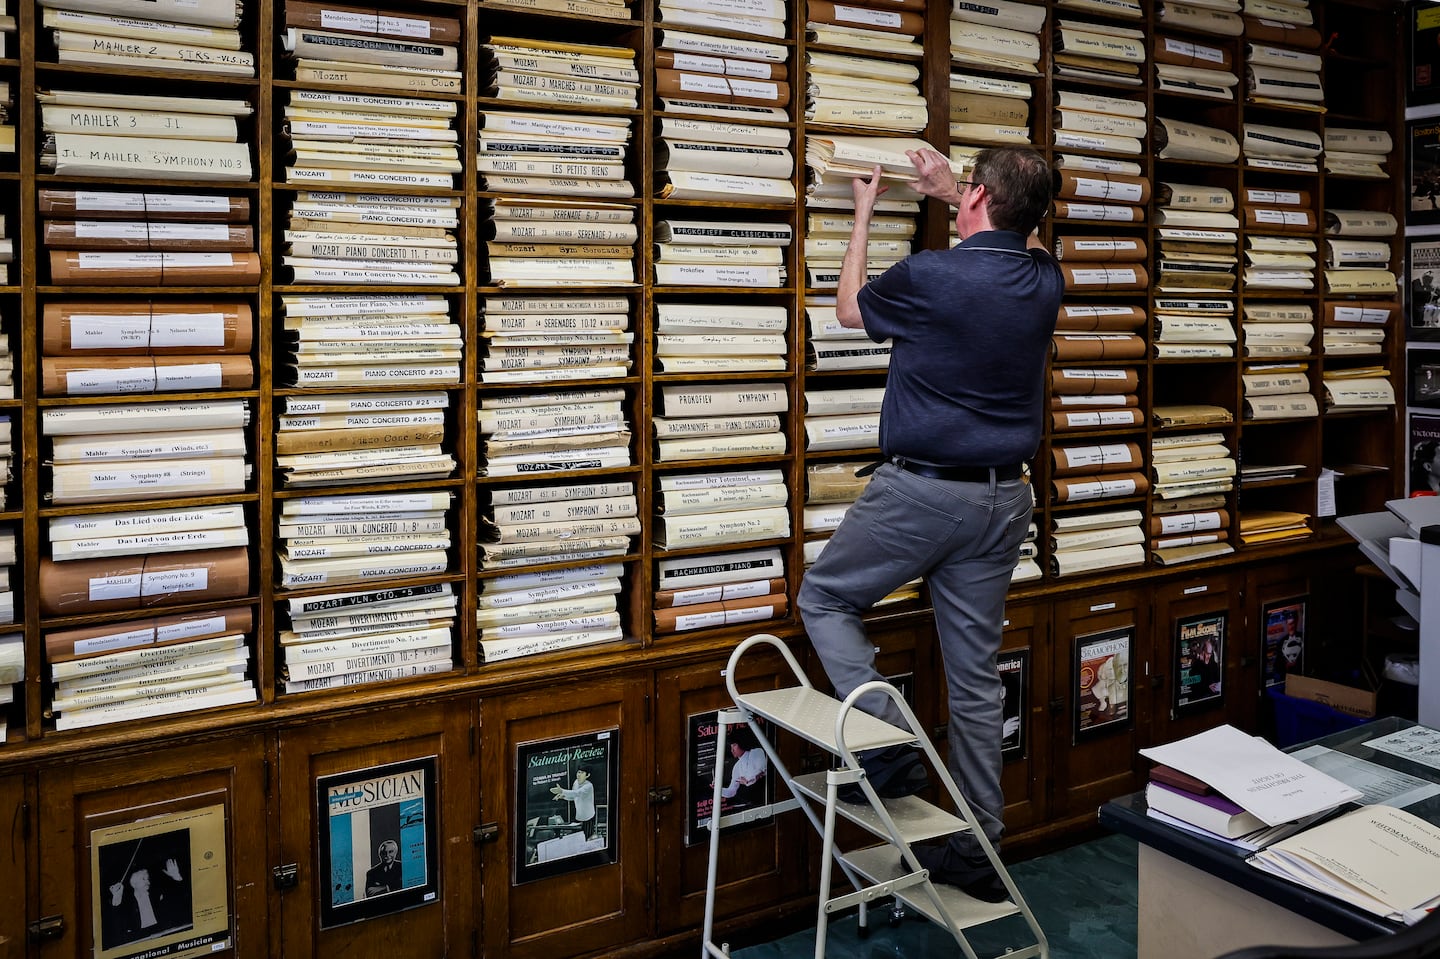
[757,640]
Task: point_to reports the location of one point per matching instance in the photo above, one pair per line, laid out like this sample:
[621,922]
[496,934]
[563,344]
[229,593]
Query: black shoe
[893,773]
[972,875]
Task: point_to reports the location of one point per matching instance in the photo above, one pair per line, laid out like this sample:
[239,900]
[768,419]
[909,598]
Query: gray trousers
[964,538]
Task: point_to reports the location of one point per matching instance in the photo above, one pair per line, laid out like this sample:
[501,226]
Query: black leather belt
[959,474]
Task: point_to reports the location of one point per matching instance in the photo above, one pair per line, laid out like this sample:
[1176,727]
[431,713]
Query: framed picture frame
[1103,681]
[1423,83]
[1199,662]
[1423,142]
[1422,288]
[1424,455]
[378,843]
[1283,638]
[745,779]
[160,883]
[1014,668]
[566,793]
[1423,377]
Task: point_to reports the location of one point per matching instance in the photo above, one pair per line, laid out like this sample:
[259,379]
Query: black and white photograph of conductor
[145,888]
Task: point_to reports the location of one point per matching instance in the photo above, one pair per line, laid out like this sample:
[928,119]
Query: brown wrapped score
[1360,311]
[711,88]
[299,13]
[98,205]
[725,612]
[67,644]
[1101,187]
[89,375]
[665,598]
[1082,489]
[696,63]
[144,235]
[1188,53]
[1103,212]
[1086,382]
[1101,249]
[1103,458]
[142,327]
[1285,34]
[1097,346]
[1272,197]
[865,18]
[1096,419]
[82,268]
[1265,219]
[84,586]
[982,108]
[1095,278]
[1100,318]
[1183,524]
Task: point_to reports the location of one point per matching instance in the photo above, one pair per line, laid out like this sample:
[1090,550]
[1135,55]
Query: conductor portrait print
[148,892]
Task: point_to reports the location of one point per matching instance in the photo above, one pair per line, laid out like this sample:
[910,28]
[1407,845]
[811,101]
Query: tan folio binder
[89,375]
[1086,460]
[1286,220]
[1190,53]
[145,235]
[1085,382]
[67,644]
[1099,318]
[1101,249]
[1083,489]
[135,582]
[406,21]
[1069,347]
[1107,278]
[116,205]
[153,328]
[82,268]
[713,88]
[1283,34]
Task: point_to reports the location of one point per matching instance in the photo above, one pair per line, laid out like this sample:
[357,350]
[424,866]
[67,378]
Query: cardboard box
[1344,699]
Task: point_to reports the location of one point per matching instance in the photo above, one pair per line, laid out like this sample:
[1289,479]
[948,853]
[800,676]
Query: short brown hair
[1017,180]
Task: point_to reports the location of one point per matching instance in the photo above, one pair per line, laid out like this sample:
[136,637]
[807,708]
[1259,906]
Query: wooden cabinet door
[1026,671]
[1196,674]
[757,864]
[1277,596]
[15,863]
[376,813]
[182,829]
[1101,659]
[568,873]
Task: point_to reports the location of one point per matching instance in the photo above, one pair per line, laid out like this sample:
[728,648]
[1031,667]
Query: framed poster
[1103,683]
[1424,80]
[1424,154]
[1199,666]
[1424,455]
[745,777]
[1423,376]
[565,804]
[160,885]
[1422,293]
[1284,639]
[1014,667]
[378,845]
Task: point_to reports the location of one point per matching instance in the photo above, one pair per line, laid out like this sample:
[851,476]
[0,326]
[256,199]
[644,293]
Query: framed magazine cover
[1283,639]
[1423,141]
[745,778]
[1103,682]
[378,841]
[1014,668]
[1422,288]
[1424,453]
[1199,663]
[1423,377]
[565,802]
[160,884]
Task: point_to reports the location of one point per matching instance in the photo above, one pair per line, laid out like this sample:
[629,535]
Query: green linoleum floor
[1084,899]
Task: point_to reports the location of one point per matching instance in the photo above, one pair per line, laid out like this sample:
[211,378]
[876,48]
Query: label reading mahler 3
[377,841]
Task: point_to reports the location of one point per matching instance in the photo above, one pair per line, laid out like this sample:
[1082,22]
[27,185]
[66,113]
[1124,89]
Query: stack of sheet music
[1099,51]
[1097,331]
[1362,389]
[12,676]
[346,438]
[1278,254]
[139,137]
[124,346]
[117,453]
[365,47]
[534,241]
[711,90]
[1191,464]
[720,436]
[1195,69]
[7,115]
[355,138]
[1087,196]
[1079,474]
[834,347]
[366,239]
[864,93]
[1281,23]
[553,432]
[721,253]
[1279,77]
[720,509]
[1281,148]
[1356,327]
[998,35]
[1183,140]
[525,614]
[549,73]
[842,419]
[1194,328]
[555,339]
[1189,528]
[1265,527]
[985,111]
[335,540]
[714,338]
[371,340]
[613,9]
[1091,542]
[1218,17]
[7,456]
[199,35]
[1197,233]
[1357,261]
[1173,416]
[1358,153]
[827,237]
[1027,566]
[1278,391]
[874,26]
[761,18]
[1289,12]
[702,592]
[1100,124]
[1099,264]
[830,490]
[374,636]
[1087,397]
[8,558]
[1273,330]
[531,525]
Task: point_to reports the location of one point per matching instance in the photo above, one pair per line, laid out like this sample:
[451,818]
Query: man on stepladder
[970,330]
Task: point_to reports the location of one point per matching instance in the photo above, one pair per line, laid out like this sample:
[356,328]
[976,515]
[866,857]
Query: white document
[1419,744]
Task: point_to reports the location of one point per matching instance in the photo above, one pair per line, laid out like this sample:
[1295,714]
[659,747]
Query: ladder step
[809,713]
[882,863]
[916,819]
